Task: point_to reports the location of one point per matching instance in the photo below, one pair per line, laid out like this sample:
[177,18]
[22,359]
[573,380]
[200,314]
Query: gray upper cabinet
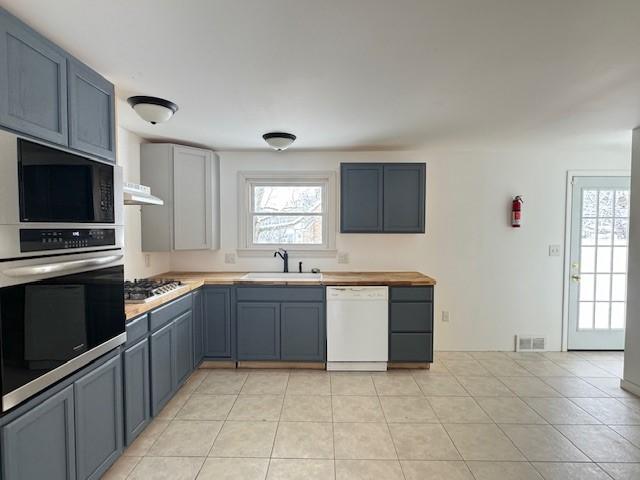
[99,420]
[361,198]
[404,198]
[33,82]
[41,443]
[302,332]
[258,331]
[382,197]
[91,111]
[137,394]
[187,179]
[218,323]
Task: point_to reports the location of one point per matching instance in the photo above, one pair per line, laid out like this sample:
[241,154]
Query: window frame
[246,183]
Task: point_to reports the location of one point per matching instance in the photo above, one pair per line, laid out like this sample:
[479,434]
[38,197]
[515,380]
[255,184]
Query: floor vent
[530,343]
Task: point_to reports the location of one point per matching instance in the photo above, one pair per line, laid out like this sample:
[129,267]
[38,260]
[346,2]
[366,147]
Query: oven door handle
[46,268]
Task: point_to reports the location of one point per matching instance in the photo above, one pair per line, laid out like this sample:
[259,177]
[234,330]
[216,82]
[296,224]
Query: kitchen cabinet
[219,323]
[91,111]
[382,197]
[137,394]
[281,323]
[33,82]
[41,442]
[183,326]
[258,331]
[187,179]
[163,367]
[198,327]
[98,419]
[411,324]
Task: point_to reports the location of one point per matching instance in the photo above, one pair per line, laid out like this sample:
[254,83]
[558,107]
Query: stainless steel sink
[280,277]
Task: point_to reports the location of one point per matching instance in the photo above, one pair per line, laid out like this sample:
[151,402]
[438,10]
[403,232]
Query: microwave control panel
[39,240]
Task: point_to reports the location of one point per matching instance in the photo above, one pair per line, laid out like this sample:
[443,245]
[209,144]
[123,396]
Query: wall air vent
[531,343]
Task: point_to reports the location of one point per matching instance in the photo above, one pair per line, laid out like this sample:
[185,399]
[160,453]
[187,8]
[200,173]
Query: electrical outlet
[445,316]
[554,250]
[229,258]
[343,257]
[147,260]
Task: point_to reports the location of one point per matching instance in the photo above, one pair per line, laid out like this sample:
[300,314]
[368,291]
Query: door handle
[46,268]
[575,278]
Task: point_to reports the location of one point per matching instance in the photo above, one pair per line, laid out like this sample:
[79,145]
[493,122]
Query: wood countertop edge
[195,280]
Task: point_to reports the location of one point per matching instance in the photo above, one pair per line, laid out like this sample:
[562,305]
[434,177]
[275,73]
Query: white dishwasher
[357,328]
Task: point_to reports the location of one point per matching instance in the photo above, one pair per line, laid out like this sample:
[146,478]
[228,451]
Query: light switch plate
[343,257]
[555,250]
[229,258]
[445,316]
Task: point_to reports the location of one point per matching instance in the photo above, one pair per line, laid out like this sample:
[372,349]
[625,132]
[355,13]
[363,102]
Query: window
[294,211]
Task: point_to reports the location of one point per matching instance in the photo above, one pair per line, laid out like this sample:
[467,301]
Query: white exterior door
[599,244]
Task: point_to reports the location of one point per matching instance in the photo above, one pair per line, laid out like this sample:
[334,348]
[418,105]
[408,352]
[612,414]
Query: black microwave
[60,187]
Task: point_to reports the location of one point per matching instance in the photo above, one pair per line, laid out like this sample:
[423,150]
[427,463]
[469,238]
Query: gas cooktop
[144,290]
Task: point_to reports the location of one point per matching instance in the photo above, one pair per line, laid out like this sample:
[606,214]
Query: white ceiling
[357,74]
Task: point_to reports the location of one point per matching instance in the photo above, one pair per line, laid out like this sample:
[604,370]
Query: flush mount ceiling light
[153,109]
[279,140]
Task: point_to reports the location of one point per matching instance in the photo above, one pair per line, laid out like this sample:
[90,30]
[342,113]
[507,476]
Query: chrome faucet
[285,257]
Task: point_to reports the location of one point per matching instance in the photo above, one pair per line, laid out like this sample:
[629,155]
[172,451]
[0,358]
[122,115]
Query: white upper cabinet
[187,179]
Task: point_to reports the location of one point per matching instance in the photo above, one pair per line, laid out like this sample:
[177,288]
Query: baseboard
[292,365]
[408,365]
[217,364]
[630,387]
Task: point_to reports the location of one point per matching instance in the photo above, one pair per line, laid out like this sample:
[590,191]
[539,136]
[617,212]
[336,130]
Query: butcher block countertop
[194,280]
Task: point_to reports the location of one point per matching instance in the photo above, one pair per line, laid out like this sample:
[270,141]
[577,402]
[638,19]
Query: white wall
[632,350]
[128,145]
[494,280]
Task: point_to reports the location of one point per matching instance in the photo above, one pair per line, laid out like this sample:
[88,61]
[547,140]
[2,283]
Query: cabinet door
[258,331]
[302,332]
[198,327]
[98,412]
[184,346]
[361,196]
[192,198]
[41,442]
[33,82]
[163,367]
[91,111]
[218,331]
[404,198]
[137,401]
[411,347]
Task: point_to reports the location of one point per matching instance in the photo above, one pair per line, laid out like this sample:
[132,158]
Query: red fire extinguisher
[516,212]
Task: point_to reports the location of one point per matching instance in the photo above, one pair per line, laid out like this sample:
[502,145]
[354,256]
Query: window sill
[300,252]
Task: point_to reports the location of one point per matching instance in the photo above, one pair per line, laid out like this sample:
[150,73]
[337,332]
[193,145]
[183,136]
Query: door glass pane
[602,315]
[585,315]
[604,231]
[620,259]
[587,287]
[622,203]
[280,229]
[604,260]
[603,285]
[605,203]
[621,231]
[619,287]
[589,203]
[589,232]
[587,259]
[618,315]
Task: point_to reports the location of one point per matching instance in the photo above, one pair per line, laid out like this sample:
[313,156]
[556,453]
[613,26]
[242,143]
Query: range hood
[135,194]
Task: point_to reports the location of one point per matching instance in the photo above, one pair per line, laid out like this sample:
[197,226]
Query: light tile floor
[474,415]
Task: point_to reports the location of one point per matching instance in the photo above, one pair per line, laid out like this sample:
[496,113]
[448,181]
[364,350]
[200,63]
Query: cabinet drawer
[169,312]
[280,294]
[136,329]
[411,294]
[412,317]
[411,347]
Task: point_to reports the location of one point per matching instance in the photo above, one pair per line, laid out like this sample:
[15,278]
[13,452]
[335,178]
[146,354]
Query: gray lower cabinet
[218,323]
[302,332]
[99,420]
[183,326]
[163,367]
[411,347]
[91,111]
[41,443]
[198,326]
[33,82]
[137,401]
[258,325]
[411,324]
